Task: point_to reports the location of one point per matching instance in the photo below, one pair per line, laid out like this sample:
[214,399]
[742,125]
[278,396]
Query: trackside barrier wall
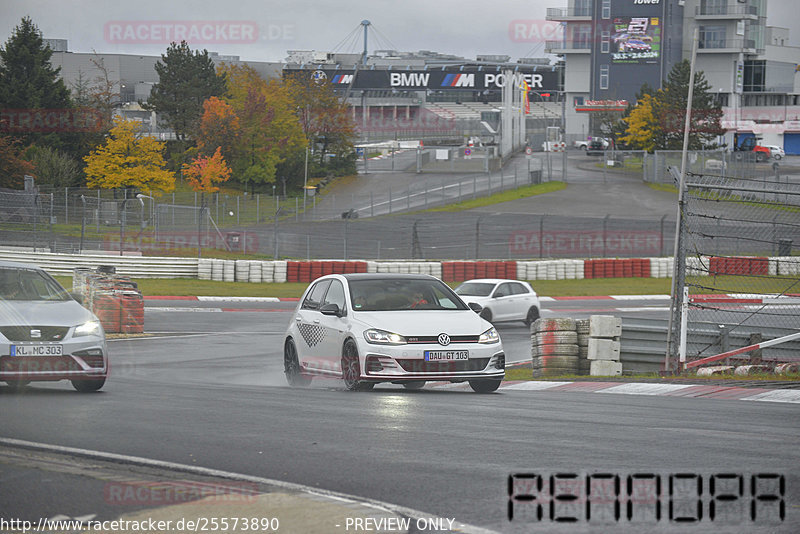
[114,299]
[254,271]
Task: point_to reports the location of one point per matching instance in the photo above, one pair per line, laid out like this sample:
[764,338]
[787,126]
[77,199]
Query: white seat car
[404,329]
[502,300]
[776,152]
[45,335]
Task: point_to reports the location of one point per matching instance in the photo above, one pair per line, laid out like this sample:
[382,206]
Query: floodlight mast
[366,25]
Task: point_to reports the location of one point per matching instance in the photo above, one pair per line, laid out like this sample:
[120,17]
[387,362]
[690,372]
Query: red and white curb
[669,390]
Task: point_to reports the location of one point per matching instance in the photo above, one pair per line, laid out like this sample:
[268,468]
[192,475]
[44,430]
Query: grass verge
[504,196]
[550,288]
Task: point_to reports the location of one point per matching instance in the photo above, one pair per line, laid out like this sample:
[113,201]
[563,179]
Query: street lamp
[153,210]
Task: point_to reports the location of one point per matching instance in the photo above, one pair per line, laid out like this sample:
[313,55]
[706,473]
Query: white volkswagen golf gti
[403,329]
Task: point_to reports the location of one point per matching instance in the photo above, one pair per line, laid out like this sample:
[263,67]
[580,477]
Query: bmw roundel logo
[444,340]
[319,76]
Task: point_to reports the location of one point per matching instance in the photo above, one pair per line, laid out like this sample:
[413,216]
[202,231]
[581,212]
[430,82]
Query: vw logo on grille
[444,340]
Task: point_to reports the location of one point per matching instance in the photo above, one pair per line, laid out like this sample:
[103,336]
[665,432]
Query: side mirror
[331,309]
[474,306]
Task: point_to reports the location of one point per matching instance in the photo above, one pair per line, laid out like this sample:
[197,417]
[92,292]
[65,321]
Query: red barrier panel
[292,270]
[646,268]
[329,267]
[469,270]
[484,270]
[361,266]
[618,268]
[588,269]
[448,271]
[511,270]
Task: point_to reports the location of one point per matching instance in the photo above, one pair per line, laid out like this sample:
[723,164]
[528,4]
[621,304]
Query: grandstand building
[426,95]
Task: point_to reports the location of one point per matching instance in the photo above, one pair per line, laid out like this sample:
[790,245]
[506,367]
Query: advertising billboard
[437,79]
[636,40]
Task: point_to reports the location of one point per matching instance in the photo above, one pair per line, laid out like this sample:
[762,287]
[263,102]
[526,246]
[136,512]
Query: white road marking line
[535,385]
[178,309]
[239,299]
[777,395]
[634,388]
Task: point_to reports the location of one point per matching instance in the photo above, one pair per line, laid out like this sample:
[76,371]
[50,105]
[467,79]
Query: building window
[606,9]
[582,36]
[578,101]
[583,8]
[712,37]
[603,76]
[605,42]
[714,7]
[754,76]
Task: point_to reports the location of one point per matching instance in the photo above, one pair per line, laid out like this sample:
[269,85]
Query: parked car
[597,147]
[502,300]
[404,329]
[45,335]
[776,152]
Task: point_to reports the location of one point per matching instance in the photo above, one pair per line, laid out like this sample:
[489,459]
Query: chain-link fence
[720,163]
[740,240]
[467,235]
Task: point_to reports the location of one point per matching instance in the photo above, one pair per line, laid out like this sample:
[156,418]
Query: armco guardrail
[133,266]
[643,342]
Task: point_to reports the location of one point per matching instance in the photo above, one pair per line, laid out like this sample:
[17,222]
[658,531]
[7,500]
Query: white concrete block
[605,368]
[603,349]
[606,326]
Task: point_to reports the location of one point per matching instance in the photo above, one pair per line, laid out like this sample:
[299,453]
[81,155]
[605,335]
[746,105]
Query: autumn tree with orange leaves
[219,128]
[204,173]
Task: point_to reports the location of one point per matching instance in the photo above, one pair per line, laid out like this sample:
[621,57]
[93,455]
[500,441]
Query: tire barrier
[458,271]
[623,268]
[550,270]
[738,265]
[308,271]
[454,271]
[783,265]
[554,348]
[114,299]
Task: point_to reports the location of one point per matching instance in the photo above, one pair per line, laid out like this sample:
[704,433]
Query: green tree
[670,109]
[56,168]
[129,160]
[186,79]
[28,81]
[326,121]
[268,122]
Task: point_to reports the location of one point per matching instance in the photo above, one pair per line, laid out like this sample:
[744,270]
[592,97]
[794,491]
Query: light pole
[153,210]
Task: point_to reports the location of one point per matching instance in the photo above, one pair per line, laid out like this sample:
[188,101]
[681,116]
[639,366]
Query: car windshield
[403,294]
[475,289]
[29,284]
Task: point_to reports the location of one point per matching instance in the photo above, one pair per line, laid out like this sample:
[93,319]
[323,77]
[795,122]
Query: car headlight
[382,337]
[490,336]
[89,328]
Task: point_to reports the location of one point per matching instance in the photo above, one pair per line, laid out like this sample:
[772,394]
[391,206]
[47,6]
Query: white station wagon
[502,300]
[403,329]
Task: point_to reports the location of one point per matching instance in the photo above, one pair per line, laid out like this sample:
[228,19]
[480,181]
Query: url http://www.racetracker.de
[199,524]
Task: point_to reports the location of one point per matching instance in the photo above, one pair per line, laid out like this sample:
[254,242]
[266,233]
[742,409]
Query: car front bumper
[87,358]
[407,362]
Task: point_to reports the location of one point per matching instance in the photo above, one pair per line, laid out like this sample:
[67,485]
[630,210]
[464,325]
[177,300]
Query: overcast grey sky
[263,30]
